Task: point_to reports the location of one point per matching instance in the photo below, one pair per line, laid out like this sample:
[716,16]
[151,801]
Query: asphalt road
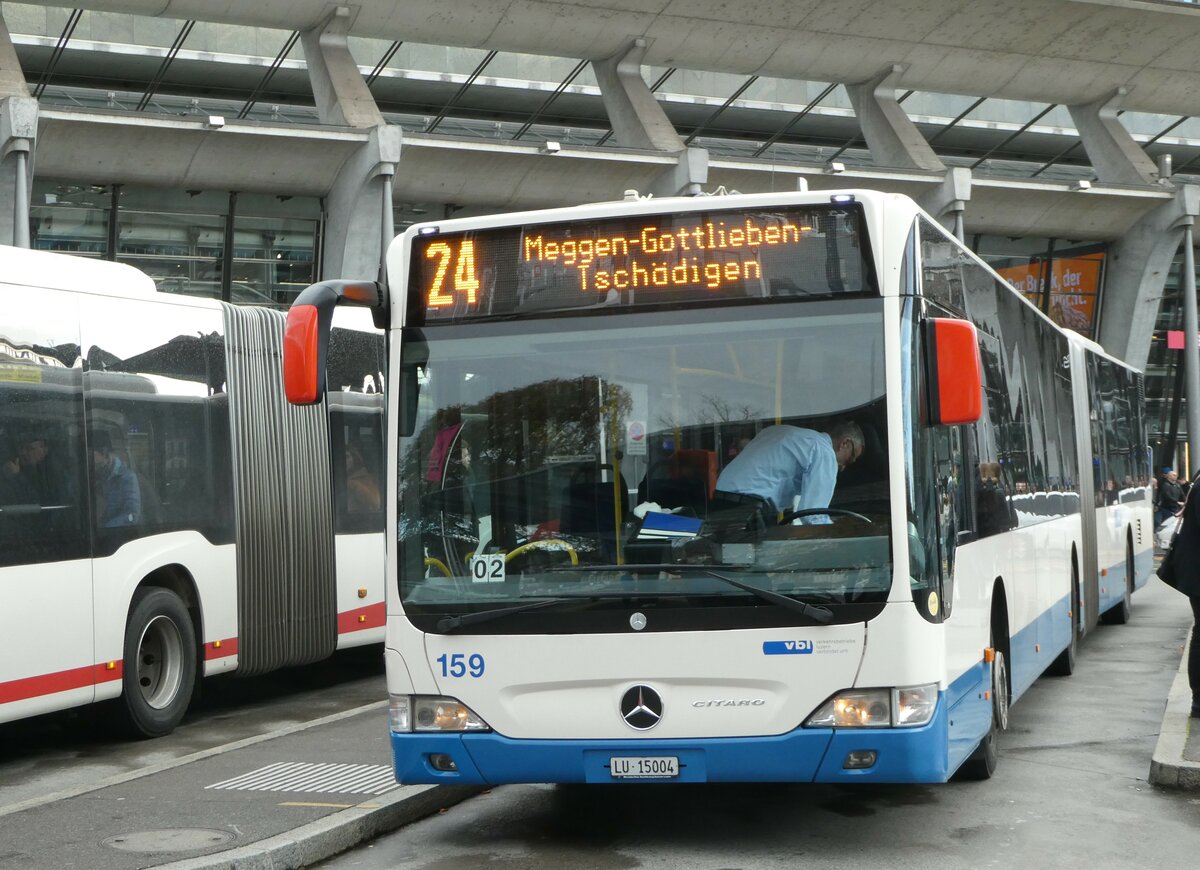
[1071,791]
[63,751]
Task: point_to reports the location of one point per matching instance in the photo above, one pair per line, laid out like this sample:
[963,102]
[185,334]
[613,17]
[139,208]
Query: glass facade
[179,238]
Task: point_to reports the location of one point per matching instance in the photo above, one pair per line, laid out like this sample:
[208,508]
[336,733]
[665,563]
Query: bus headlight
[432,713]
[906,707]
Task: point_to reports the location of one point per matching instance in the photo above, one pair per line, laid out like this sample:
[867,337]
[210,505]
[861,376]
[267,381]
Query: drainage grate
[299,776]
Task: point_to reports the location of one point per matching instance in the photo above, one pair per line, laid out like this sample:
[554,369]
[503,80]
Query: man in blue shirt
[119,501]
[789,468]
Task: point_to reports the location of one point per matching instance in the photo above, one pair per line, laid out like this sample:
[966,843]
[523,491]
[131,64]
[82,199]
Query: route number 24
[466,281]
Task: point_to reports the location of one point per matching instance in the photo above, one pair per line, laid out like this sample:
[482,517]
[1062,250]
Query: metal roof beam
[383,62]
[269,74]
[720,109]
[946,129]
[167,60]
[562,86]
[795,119]
[458,95]
[1043,113]
[59,47]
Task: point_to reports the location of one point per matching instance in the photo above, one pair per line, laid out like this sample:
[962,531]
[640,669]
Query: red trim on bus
[371,616]
[62,681]
[228,647]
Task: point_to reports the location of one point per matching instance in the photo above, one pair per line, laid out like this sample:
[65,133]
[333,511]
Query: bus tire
[1120,612]
[981,764]
[159,666]
[1064,665]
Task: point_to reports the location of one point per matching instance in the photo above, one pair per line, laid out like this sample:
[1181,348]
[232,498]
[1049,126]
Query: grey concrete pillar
[12,77]
[891,136]
[685,178]
[1115,156]
[359,209]
[1191,334]
[1138,264]
[342,96]
[637,119]
[949,200]
[18,132]
[358,221]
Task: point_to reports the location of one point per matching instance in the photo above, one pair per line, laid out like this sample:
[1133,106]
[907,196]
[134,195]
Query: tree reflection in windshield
[602,444]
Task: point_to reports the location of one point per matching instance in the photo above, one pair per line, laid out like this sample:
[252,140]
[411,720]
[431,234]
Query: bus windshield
[599,460]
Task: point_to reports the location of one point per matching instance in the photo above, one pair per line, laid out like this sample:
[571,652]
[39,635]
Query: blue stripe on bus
[802,755]
[1143,567]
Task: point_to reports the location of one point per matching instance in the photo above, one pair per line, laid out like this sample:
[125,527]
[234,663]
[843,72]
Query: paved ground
[308,777]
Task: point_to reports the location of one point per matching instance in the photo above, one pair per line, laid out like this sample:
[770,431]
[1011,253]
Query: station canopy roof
[1057,51]
[986,83]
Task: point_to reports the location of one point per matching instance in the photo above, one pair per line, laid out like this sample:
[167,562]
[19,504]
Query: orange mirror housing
[301,356]
[955,372]
[306,336]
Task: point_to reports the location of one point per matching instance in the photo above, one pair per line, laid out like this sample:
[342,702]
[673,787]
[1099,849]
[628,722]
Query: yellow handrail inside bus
[431,562]
[552,543]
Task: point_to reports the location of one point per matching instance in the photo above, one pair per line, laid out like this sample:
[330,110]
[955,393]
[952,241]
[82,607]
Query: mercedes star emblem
[641,708]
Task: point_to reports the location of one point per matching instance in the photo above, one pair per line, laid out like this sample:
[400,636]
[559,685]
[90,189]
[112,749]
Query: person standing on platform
[1180,568]
[1170,497]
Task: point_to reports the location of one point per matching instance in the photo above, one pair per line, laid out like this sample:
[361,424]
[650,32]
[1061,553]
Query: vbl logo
[787,647]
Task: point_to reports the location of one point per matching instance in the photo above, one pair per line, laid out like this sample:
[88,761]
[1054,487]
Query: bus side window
[953,499]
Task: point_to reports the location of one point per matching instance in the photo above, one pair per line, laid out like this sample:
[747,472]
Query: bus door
[1085,432]
[47,659]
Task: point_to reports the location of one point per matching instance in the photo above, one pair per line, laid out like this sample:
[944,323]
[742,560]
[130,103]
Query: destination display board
[645,260]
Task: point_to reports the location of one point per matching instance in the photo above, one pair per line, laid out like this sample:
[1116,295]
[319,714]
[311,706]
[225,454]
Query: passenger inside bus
[118,493]
[35,476]
[362,489]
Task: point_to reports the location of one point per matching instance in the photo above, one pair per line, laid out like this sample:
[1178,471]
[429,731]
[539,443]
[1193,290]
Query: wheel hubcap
[1000,691]
[160,662]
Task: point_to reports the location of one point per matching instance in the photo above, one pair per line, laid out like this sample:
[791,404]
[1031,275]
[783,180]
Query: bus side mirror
[955,373]
[306,336]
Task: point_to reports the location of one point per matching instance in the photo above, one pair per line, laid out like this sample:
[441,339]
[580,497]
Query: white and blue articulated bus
[574,592]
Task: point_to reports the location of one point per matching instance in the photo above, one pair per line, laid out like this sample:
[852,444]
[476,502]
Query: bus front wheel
[982,762]
[159,664]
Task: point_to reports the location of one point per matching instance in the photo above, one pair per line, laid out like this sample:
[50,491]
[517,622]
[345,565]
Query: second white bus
[164,513]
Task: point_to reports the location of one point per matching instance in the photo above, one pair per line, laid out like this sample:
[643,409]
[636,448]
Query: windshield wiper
[449,623]
[822,615]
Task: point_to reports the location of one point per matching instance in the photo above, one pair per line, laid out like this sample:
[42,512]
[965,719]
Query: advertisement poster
[1074,288]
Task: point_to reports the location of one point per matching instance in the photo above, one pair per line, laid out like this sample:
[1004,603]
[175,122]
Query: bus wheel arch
[160,654]
[1064,664]
[1120,612]
[981,764]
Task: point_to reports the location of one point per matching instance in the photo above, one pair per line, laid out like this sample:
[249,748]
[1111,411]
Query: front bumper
[803,755]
